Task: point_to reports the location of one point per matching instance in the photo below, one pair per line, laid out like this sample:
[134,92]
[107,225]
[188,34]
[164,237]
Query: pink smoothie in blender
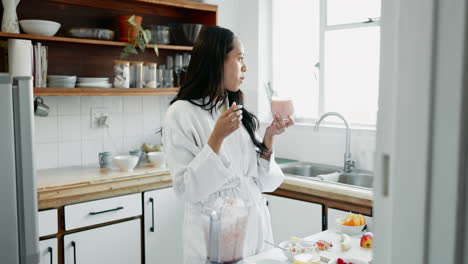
[283,107]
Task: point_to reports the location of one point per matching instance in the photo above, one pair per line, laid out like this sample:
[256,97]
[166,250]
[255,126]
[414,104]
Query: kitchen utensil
[126,163]
[39,27]
[292,248]
[105,159]
[158,159]
[185,33]
[40,109]
[20,57]
[272,244]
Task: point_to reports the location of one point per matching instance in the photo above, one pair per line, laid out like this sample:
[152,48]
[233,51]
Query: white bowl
[126,163]
[349,230]
[39,27]
[157,159]
[309,247]
[352,260]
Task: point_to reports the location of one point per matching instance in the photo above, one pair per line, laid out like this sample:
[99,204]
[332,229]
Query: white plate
[353,260]
[94,85]
[270,261]
[92,79]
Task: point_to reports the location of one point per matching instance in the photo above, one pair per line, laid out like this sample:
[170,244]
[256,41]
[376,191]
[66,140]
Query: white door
[290,217]
[113,244]
[163,219]
[333,214]
[48,251]
[421,152]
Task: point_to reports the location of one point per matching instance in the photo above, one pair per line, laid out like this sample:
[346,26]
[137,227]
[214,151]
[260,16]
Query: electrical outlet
[100,117]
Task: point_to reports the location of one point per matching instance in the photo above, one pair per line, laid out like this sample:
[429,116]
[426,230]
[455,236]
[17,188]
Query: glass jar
[150,79]
[121,74]
[160,34]
[136,74]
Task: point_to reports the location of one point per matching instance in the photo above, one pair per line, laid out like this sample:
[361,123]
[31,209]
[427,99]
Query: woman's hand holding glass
[228,122]
[278,125]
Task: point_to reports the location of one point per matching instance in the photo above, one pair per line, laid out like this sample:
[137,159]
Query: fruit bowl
[157,159]
[39,27]
[352,224]
[292,248]
[349,230]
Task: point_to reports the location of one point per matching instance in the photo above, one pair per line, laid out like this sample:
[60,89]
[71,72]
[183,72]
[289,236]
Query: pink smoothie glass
[283,107]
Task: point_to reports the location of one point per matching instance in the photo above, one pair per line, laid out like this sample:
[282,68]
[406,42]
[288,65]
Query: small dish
[126,163]
[92,33]
[294,248]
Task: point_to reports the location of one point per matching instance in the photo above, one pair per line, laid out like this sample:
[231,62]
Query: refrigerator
[19,242]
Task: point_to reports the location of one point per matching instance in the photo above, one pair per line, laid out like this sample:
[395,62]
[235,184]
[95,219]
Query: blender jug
[227,231]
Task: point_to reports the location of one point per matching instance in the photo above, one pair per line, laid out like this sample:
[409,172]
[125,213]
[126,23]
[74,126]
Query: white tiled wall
[65,137]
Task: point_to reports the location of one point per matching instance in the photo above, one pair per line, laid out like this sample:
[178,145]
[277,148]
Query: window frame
[324,28]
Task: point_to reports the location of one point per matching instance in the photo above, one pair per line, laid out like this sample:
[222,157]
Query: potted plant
[137,36]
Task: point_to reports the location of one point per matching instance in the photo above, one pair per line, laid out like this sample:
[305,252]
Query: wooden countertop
[62,186]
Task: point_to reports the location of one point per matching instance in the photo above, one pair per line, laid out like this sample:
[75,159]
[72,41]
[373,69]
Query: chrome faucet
[348,162]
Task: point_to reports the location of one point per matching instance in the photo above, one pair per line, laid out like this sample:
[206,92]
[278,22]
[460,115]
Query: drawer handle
[152,215]
[74,251]
[51,255]
[106,211]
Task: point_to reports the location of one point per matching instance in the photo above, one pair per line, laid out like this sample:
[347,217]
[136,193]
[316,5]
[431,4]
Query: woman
[211,143]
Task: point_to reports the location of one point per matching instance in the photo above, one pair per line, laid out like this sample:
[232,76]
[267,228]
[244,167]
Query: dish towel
[329,177]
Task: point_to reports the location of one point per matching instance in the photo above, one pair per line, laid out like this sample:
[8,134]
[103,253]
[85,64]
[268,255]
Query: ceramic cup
[40,109]
[105,159]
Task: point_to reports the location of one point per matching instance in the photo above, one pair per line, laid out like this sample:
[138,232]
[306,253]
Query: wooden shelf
[86,41]
[102,91]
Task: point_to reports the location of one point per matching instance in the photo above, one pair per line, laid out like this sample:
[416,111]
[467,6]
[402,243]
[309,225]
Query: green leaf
[147,35]
[123,55]
[132,21]
[140,29]
[156,50]
[129,48]
[142,45]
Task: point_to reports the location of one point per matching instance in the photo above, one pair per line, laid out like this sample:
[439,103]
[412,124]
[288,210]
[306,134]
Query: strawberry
[340,261]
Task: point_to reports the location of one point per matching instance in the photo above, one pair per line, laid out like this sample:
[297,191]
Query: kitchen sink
[307,169]
[310,170]
[357,179]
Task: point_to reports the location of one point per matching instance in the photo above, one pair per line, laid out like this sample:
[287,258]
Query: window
[326,57]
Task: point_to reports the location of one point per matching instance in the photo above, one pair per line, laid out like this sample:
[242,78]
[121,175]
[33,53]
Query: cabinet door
[334,214]
[113,244]
[163,219]
[291,217]
[48,251]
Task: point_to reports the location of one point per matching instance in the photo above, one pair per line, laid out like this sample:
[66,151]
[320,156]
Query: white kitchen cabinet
[163,218]
[113,244]
[334,214]
[290,217]
[48,251]
[47,222]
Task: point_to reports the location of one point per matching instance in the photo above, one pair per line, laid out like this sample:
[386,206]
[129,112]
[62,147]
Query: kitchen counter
[333,195]
[356,251]
[62,186]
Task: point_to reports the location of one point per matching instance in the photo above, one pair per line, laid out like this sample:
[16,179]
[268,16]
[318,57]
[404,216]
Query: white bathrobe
[198,174]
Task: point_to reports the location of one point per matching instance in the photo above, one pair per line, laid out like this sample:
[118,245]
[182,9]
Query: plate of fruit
[352,224]
[347,261]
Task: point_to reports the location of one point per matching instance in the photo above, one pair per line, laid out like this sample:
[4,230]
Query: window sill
[329,125]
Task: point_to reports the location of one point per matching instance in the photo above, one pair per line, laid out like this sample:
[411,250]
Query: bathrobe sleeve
[197,171]
[270,176]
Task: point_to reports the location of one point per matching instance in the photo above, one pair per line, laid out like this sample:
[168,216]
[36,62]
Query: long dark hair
[204,78]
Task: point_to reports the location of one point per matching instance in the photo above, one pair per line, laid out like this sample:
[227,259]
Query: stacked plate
[93,82]
[61,81]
